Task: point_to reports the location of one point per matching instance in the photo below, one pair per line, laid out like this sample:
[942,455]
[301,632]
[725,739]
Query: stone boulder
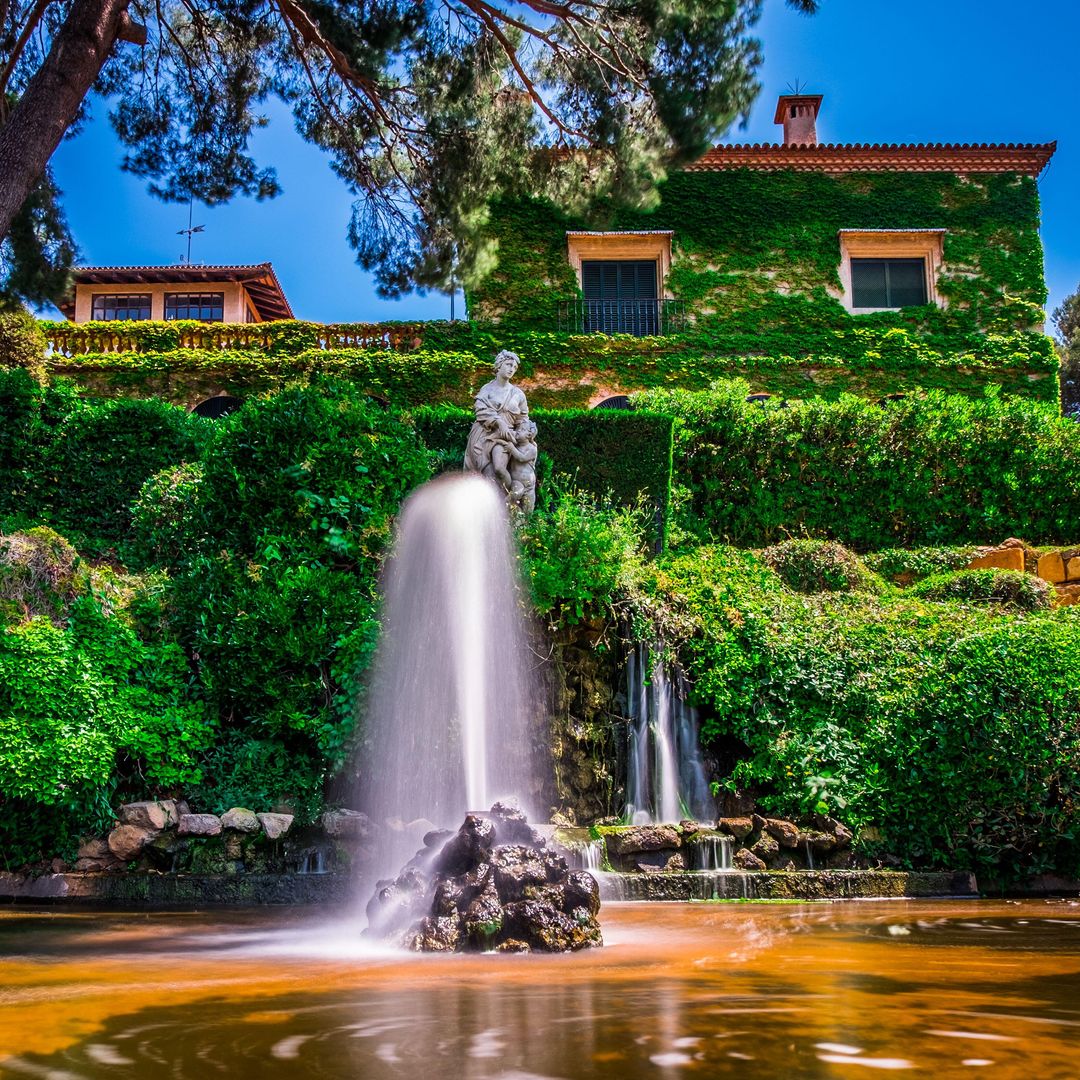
[745,859]
[785,833]
[473,892]
[240,820]
[347,825]
[94,855]
[149,815]
[275,825]
[199,825]
[739,827]
[641,838]
[126,842]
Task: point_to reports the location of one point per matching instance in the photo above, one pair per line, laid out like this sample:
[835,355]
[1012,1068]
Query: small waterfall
[588,856]
[448,717]
[713,852]
[665,776]
[313,862]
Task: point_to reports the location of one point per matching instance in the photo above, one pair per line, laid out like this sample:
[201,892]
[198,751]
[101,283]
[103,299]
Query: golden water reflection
[825,990]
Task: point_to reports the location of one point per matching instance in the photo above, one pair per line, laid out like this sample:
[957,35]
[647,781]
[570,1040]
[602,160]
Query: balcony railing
[642,318]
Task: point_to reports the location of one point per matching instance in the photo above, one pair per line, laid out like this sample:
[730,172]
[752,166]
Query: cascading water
[448,716]
[665,776]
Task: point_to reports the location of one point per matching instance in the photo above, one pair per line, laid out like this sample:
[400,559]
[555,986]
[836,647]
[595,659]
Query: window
[620,297]
[107,307]
[886,269]
[206,307]
[888,283]
[618,280]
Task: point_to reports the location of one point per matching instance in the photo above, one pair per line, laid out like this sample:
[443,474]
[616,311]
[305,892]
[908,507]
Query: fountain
[450,710]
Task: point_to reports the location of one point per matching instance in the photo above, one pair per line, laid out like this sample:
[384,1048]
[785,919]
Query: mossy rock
[815,566]
[1009,588]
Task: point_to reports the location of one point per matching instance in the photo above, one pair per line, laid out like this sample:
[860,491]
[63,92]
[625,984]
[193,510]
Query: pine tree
[428,110]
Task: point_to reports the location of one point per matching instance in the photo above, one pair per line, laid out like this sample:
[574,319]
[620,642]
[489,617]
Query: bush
[933,470]
[163,517]
[1010,587]
[87,709]
[578,554]
[100,456]
[810,566]
[312,473]
[22,343]
[902,566]
[952,730]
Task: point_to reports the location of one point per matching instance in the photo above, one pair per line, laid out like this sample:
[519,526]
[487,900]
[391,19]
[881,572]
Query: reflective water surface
[826,990]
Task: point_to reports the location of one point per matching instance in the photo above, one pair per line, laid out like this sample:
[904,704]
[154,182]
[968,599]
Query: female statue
[501,434]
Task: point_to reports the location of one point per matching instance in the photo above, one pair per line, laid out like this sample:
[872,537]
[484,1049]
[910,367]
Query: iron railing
[642,318]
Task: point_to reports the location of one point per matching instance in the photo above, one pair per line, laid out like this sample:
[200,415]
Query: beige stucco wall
[235,297]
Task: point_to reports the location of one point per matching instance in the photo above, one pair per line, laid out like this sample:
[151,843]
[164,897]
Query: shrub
[951,729]
[100,456]
[938,469]
[810,566]
[163,516]
[312,473]
[86,709]
[1011,587]
[22,343]
[578,553]
[902,566]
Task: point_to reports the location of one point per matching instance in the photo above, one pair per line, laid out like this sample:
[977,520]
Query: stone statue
[502,442]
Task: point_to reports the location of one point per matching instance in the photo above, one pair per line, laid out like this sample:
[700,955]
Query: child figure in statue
[523,451]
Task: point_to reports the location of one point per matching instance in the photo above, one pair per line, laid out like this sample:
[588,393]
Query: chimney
[798,114]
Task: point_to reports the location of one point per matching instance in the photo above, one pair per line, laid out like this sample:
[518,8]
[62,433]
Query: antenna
[190,231]
[798,88]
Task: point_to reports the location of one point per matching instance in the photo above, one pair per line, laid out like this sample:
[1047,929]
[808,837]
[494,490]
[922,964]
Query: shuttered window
[622,280]
[888,283]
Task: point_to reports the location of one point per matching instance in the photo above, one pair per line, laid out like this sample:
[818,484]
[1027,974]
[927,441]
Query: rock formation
[492,885]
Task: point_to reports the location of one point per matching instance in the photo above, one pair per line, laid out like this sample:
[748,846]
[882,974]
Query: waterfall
[448,716]
[665,776]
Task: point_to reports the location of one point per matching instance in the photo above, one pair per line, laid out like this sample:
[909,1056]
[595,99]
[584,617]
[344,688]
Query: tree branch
[52,99]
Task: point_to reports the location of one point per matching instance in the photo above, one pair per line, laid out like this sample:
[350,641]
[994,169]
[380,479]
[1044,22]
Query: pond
[753,990]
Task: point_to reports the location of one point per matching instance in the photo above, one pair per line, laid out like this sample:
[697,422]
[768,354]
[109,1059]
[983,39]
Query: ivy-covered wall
[756,261]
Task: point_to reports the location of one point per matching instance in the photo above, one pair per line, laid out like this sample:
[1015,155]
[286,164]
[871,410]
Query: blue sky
[919,71]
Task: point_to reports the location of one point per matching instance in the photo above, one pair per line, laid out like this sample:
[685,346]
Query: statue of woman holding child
[502,442]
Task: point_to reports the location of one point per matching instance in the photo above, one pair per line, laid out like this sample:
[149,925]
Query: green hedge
[600,450]
[927,470]
[438,361]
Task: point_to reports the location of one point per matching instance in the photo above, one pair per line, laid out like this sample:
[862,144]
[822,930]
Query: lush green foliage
[274,541]
[951,730]
[934,469]
[87,709]
[579,553]
[811,566]
[1012,587]
[606,451]
[902,566]
[441,361]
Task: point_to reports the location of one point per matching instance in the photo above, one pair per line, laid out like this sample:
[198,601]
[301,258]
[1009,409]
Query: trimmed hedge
[600,450]
[926,470]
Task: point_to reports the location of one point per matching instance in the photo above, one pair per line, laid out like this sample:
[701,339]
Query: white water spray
[448,726]
[665,775]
